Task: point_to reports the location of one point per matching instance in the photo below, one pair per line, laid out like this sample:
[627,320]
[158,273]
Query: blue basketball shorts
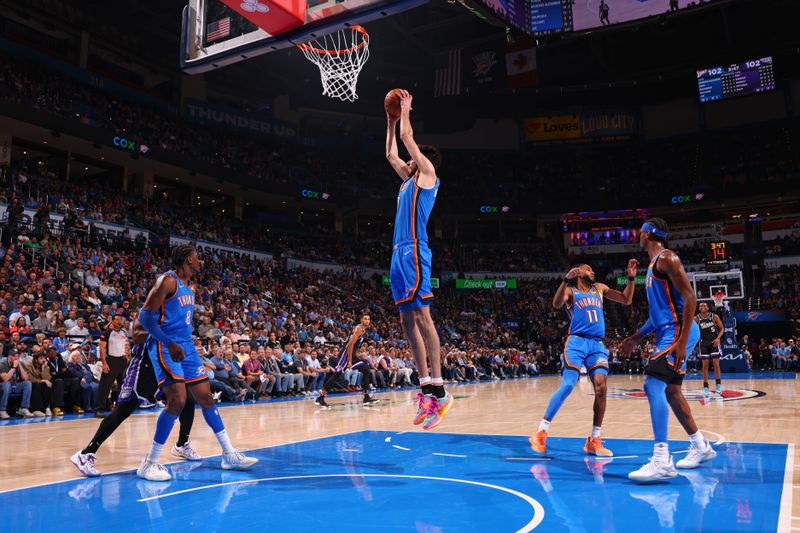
[662,363]
[410,276]
[190,371]
[585,352]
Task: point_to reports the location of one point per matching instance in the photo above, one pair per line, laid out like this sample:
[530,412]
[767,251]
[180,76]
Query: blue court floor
[421,482]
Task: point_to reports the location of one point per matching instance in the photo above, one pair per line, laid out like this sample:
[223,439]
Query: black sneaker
[368,400]
[321,402]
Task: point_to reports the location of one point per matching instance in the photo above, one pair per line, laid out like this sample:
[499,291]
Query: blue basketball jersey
[586,314]
[414,206]
[665,302]
[177,312]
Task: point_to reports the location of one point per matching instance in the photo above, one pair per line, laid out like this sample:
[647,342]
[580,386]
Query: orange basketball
[392,102]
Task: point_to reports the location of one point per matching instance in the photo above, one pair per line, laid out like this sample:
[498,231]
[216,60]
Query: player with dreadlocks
[167,317]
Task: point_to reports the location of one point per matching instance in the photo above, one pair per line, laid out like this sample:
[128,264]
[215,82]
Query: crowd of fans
[611,175]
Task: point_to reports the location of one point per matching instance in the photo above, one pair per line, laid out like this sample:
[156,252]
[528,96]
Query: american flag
[219,29]
[447,80]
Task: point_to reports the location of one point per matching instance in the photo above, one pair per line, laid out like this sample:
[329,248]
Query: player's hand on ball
[573,273]
[176,352]
[405,102]
[633,267]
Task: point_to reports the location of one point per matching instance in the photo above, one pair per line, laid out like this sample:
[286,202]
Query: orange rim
[362,44]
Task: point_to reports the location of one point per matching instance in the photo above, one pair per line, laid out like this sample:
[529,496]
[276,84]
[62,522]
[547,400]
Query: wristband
[631,278]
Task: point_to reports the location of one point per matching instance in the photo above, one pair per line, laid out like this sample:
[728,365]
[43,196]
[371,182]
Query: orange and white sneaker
[422,408]
[539,441]
[594,446]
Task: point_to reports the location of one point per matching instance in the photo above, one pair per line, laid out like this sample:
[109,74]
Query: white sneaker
[237,461]
[217,395]
[39,414]
[186,452]
[697,456]
[4,415]
[25,413]
[153,471]
[654,471]
[84,462]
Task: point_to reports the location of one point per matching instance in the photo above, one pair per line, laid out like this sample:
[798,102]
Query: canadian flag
[521,64]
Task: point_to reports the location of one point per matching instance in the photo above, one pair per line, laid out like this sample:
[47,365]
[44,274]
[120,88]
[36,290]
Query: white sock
[224,441]
[698,440]
[595,431]
[544,425]
[424,381]
[437,381]
[155,452]
[661,451]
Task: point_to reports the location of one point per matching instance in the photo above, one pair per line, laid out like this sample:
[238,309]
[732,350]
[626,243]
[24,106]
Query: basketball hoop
[719,298]
[340,57]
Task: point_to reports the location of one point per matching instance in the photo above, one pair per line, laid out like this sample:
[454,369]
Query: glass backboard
[708,283]
[214,35]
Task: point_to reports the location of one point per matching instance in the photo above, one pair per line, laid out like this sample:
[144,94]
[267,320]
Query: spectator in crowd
[14,382]
[81,371]
[45,393]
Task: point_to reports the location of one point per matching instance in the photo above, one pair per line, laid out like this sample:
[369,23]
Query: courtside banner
[552,128]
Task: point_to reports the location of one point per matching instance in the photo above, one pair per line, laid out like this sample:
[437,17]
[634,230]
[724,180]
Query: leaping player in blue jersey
[672,303]
[411,261]
[583,299]
[167,317]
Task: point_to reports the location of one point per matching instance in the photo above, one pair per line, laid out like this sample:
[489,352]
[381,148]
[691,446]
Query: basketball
[392,102]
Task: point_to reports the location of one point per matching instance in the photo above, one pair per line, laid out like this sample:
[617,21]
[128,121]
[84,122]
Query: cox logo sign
[127,144]
[314,195]
[682,199]
[495,209]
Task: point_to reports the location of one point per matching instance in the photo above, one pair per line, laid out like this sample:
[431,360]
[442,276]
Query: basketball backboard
[708,283]
[213,35]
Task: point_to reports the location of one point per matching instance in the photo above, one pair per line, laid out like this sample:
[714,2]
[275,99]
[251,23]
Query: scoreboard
[718,256]
[739,79]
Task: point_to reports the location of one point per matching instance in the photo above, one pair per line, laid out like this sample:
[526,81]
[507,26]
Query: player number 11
[592,316]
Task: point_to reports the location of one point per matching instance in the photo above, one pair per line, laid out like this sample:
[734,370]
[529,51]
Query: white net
[340,56]
[719,299]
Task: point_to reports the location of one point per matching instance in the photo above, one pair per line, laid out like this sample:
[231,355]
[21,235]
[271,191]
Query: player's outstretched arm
[165,286]
[671,265]
[427,173]
[563,293]
[392,154]
[624,297]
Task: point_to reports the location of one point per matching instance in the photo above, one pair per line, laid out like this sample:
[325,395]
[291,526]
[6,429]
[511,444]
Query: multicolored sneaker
[539,441]
[437,408]
[705,392]
[594,446]
[719,388]
[422,407]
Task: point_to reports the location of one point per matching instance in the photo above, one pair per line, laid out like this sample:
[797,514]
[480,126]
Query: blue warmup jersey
[584,346]
[666,315]
[176,318]
[410,271]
